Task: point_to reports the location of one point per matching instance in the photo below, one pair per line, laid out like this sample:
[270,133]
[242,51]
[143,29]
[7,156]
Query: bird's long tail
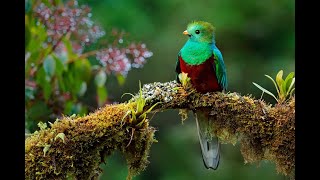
[210,145]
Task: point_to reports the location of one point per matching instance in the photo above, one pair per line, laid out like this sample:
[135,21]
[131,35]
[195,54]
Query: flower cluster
[139,52]
[73,21]
[120,61]
[70,18]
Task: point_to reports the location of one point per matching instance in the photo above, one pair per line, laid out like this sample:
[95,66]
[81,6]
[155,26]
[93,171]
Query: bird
[203,63]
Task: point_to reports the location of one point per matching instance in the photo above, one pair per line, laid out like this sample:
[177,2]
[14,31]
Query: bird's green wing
[220,68]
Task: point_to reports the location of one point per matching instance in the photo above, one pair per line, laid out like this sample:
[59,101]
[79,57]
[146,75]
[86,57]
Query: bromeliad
[203,62]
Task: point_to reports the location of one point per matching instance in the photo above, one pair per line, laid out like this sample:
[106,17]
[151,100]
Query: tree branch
[76,146]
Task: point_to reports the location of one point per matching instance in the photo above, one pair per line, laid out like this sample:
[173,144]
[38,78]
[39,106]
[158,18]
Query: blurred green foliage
[68,59]
[255,38]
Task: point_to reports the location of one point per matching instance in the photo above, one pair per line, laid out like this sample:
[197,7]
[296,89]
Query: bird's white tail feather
[210,145]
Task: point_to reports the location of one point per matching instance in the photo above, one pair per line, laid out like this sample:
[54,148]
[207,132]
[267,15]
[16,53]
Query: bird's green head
[200,31]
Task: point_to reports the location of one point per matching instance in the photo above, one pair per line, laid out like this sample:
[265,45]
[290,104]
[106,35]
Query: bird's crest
[204,24]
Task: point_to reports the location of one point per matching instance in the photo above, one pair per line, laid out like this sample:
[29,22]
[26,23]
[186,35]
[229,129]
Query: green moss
[264,132]
[88,141]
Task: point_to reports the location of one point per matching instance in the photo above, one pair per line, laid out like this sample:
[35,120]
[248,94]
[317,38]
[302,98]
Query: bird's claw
[181,90]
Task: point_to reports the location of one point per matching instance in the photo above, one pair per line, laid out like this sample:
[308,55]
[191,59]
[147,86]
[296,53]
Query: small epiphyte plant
[184,79]
[284,87]
[138,115]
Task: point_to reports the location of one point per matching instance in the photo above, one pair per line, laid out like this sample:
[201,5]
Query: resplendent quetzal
[202,61]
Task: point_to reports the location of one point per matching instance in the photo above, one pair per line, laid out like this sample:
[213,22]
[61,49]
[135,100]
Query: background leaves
[61,65]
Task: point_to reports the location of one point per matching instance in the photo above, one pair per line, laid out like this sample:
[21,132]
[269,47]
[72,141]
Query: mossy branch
[265,132]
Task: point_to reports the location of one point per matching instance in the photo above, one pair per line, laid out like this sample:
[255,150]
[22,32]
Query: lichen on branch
[265,132]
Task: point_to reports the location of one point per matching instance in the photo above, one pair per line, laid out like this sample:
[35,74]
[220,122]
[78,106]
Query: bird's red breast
[203,76]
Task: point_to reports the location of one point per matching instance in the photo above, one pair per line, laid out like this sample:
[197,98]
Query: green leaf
[69,81]
[100,78]
[60,66]
[287,81]
[102,95]
[38,35]
[49,66]
[61,136]
[279,80]
[47,90]
[140,101]
[83,89]
[82,69]
[68,45]
[291,85]
[78,72]
[264,90]
[44,81]
[121,79]
[275,84]
[150,109]
[60,69]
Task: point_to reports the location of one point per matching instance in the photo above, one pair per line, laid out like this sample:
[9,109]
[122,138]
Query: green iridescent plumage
[200,47]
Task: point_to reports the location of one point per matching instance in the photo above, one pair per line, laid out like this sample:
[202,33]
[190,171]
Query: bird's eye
[197,32]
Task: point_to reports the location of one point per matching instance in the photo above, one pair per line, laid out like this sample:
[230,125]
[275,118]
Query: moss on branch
[265,132]
[87,142]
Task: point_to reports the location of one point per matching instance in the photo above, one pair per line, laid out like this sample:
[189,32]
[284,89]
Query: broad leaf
[83,69]
[101,78]
[49,66]
[47,90]
[44,82]
[60,66]
[102,95]
[121,79]
[279,80]
[288,81]
[83,89]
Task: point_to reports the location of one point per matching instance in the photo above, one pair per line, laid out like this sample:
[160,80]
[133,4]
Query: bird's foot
[183,92]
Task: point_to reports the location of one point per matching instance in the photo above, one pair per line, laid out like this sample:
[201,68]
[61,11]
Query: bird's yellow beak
[185,32]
